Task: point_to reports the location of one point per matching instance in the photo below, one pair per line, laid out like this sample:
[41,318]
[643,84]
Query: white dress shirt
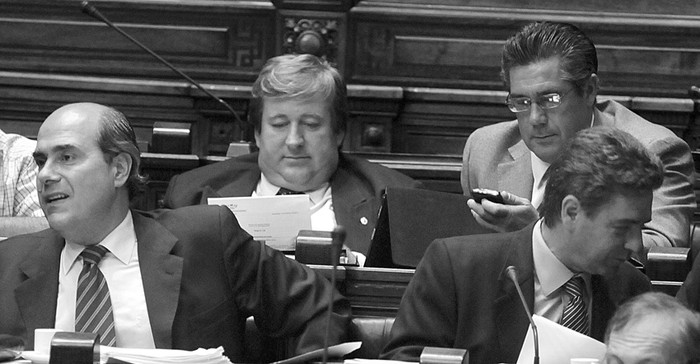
[538,168]
[550,277]
[320,203]
[121,270]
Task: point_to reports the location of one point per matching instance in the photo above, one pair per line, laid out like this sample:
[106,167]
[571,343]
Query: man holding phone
[550,71]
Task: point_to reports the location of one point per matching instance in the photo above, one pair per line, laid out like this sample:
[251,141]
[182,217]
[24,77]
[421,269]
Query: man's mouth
[55,197]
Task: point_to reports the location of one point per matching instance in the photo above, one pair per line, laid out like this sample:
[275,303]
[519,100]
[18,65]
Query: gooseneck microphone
[89,9]
[513,275]
[337,239]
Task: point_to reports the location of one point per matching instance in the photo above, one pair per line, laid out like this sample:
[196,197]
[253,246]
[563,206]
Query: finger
[513,199]
[497,210]
[474,206]
[485,224]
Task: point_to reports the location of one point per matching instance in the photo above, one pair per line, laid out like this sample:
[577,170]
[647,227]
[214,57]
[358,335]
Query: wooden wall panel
[209,40]
[597,7]
[458,44]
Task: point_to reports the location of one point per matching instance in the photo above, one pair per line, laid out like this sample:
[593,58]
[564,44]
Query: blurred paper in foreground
[559,344]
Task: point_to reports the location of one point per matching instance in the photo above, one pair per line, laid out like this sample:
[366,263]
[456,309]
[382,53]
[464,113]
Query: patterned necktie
[575,314]
[93,308]
[284,191]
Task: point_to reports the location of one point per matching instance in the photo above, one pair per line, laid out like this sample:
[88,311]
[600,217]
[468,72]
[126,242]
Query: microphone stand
[89,9]
[513,275]
[337,239]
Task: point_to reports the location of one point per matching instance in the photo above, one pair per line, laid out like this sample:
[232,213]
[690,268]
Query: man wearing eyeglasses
[550,72]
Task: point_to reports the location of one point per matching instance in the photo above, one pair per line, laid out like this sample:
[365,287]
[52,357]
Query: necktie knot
[574,287]
[285,191]
[92,254]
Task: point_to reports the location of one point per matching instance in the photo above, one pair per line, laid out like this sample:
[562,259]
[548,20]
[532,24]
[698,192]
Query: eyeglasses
[546,101]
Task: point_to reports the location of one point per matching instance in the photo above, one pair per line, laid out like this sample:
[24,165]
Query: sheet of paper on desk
[146,356]
[376,361]
[559,344]
[335,351]
[162,356]
[275,220]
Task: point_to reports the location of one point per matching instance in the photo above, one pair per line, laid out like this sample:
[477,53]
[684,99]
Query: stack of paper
[146,356]
[162,356]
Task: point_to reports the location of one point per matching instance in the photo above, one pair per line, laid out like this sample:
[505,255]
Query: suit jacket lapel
[349,204]
[512,322]
[161,273]
[515,172]
[36,296]
[242,186]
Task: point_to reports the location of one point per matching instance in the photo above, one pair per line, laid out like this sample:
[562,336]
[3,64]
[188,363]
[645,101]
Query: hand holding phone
[479,194]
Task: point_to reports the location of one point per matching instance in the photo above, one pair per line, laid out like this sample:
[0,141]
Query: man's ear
[339,137]
[570,210]
[591,89]
[122,164]
[256,134]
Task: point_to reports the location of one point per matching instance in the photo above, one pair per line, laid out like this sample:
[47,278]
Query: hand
[515,214]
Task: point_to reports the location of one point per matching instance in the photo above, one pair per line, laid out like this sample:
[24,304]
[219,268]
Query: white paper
[335,351]
[559,344]
[164,356]
[274,220]
[376,361]
[147,356]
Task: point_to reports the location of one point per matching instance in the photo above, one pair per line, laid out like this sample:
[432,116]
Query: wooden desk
[378,291]
[371,291]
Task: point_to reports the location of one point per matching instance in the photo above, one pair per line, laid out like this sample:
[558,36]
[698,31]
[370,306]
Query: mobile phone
[479,194]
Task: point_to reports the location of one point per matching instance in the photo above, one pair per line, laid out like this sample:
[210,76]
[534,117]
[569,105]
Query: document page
[274,220]
[558,344]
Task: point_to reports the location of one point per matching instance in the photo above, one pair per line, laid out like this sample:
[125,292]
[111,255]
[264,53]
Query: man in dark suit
[597,198]
[550,71]
[299,110]
[179,279]
[689,293]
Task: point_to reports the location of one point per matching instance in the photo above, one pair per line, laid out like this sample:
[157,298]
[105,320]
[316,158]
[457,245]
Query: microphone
[337,239]
[89,9]
[513,275]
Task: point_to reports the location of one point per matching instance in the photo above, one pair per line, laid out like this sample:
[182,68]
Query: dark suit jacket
[689,293]
[356,188]
[496,157]
[202,276]
[461,297]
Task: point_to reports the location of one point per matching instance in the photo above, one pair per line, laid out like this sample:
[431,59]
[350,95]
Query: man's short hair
[542,40]
[300,76]
[117,136]
[595,165]
[683,343]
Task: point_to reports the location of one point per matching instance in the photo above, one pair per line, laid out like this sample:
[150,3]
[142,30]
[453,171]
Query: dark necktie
[93,307]
[575,314]
[284,191]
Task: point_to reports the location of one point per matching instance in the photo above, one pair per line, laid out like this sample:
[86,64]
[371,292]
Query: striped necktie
[575,314]
[93,308]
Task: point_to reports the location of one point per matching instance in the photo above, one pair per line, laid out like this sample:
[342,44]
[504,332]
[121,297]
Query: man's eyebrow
[57,148]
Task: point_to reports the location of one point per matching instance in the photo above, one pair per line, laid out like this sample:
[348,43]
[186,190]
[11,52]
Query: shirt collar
[121,242]
[266,188]
[550,271]
[539,167]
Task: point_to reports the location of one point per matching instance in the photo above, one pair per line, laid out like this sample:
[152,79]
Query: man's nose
[295,137]
[537,114]
[46,175]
